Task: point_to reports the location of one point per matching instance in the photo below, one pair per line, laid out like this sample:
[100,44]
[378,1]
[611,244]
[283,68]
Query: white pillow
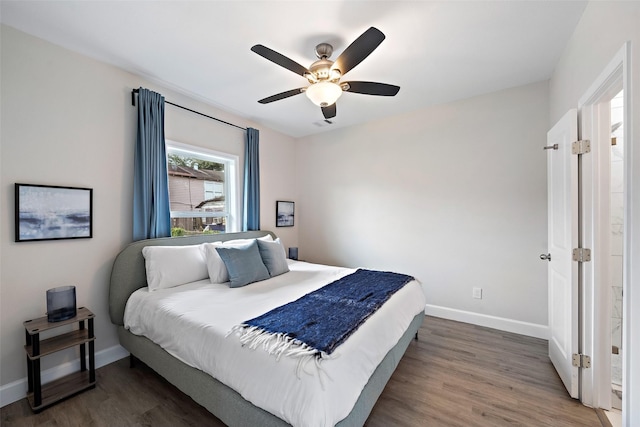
[217,271]
[169,266]
[266,238]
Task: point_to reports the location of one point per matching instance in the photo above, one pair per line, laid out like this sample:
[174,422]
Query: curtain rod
[133,102]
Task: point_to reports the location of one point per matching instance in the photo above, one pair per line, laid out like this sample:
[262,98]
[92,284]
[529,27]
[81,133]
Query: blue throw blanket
[320,321]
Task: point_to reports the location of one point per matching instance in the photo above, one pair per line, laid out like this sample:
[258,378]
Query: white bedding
[191,321]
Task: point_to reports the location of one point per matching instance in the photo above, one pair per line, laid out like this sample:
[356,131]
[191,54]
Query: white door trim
[596,310]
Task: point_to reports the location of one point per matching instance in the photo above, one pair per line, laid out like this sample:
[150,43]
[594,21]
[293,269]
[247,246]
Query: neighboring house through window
[203,190]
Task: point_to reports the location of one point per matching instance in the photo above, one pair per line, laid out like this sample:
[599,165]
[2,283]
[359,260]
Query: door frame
[594,124]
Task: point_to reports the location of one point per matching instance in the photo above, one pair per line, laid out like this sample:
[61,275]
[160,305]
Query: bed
[220,397]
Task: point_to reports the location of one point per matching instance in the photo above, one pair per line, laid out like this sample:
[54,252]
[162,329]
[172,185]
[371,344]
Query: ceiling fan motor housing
[324,50]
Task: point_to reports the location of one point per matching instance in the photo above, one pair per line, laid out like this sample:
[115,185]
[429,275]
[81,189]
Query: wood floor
[456,374]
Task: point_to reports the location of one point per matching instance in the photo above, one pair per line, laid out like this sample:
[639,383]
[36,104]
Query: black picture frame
[49,212]
[285,213]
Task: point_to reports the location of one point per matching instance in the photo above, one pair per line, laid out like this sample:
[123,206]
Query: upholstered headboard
[128,273]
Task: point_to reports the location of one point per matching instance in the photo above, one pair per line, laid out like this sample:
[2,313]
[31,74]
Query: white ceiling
[436,51]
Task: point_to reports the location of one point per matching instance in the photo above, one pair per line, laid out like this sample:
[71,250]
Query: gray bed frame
[128,275]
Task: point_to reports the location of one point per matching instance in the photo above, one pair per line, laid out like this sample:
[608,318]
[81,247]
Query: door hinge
[581,361]
[581,147]
[582,254]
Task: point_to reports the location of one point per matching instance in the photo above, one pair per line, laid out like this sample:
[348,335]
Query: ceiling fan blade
[280,59]
[329,112]
[357,51]
[372,88]
[280,96]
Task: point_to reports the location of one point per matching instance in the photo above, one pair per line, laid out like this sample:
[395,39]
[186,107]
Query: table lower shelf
[57,390]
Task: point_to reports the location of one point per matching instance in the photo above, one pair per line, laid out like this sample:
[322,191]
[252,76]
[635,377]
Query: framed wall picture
[285,213]
[47,212]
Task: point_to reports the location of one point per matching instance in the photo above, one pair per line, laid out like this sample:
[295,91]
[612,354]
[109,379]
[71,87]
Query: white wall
[454,195]
[603,29]
[68,120]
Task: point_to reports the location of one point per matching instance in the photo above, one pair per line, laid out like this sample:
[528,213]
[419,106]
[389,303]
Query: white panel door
[562,194]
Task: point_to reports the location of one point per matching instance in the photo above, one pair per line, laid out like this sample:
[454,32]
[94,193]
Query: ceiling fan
[324,75]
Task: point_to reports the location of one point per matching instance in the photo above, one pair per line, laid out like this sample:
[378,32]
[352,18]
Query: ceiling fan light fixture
[324,93]
[311,78]
[334,74]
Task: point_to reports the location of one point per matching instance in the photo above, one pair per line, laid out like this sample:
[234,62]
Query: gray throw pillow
[244,264]
[274,257]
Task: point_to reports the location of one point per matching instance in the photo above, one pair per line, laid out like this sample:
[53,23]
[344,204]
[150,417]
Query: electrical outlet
[477,293]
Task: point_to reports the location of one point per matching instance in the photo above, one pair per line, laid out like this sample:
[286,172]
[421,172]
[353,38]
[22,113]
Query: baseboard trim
[501,323]
[17,390]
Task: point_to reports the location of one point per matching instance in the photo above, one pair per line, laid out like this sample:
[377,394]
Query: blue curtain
[151,210]
[251,219]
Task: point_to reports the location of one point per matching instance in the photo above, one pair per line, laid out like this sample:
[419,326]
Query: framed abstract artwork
[285,213]
[47,212]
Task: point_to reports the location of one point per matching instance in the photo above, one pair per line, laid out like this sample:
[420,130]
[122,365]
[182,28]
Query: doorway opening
[605,183]
[616,245]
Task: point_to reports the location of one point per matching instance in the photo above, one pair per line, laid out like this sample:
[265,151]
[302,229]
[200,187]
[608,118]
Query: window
[203,190]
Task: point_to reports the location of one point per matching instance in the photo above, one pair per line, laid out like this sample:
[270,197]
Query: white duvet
[191,322]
